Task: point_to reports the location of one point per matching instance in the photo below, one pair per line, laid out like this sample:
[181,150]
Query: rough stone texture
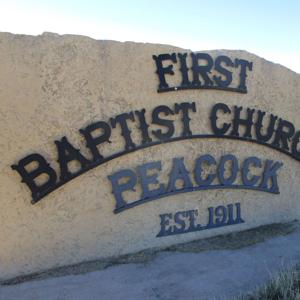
[51,86]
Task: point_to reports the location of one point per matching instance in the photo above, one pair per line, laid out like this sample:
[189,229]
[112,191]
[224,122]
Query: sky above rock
[268,28]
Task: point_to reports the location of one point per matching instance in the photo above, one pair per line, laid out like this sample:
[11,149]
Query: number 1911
[224,215]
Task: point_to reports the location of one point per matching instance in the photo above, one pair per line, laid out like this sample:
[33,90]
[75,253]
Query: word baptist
[163,124]
[202,67]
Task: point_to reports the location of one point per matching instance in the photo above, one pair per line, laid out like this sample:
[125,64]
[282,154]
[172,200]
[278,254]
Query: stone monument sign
[109,148]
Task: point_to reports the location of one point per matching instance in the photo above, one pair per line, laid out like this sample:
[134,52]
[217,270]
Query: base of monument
[231,241]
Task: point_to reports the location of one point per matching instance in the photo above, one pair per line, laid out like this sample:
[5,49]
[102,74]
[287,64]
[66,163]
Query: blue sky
[267,28]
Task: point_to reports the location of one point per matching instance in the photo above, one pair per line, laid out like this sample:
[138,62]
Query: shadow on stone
[230,241]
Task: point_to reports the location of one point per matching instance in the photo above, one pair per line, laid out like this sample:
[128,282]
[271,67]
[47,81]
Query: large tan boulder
[108,148]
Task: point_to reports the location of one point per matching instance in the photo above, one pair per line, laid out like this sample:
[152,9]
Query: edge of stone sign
[49,34]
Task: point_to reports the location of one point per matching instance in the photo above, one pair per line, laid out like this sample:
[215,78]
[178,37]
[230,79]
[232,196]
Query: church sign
[109,148]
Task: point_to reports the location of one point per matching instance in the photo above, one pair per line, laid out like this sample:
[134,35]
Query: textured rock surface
[51,86]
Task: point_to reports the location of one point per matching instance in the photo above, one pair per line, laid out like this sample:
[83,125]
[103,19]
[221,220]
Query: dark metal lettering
[28,177]
[184,70]
[295,143]
[119,188]
[180,182]
[179,220]
[125,131]
[221,214]
[66,154]
[162,122]
[256,162]
[161,71]
[198,170]
[237,121]
[184,108]
[282,135]
[202,70]
[189,221]
[93,142]
[164,222]
[233,172]
[213,119]
[243,72]
[143,126]
[202,66]
[147,179]
[179,172]
[223,71]
[259,126]
[270,175]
